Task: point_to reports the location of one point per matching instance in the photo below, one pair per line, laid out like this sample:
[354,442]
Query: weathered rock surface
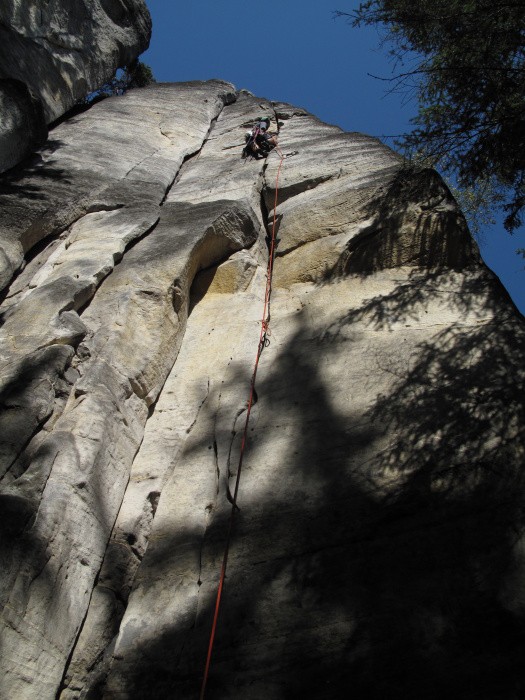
[22,126]
[54,53]
[378,551]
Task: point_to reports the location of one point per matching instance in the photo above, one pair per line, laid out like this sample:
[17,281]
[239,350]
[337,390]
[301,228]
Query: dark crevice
[18,512]
[31,254]
[216,455]
[131,540]
[301,244]
[269,222]
[190,427]
[276,116]
[153,405]
[137,240]
[286,193]
[233,434]
[116,593]
[95,208]
[154,498]
[190,157]
[62,686]
[208,511]
[75,111]
[199,291]
[117,262]
[23,448]
[24,377]
[187,158]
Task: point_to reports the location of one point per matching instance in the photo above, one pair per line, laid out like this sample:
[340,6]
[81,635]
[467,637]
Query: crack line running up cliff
[191,156]
[251,400]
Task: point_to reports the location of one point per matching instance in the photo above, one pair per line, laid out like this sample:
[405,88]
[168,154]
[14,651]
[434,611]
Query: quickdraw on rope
[263,342]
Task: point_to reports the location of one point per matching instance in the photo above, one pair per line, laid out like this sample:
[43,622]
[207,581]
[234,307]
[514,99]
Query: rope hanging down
[265,322]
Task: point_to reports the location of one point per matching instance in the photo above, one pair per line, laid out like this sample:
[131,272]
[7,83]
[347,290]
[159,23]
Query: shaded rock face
[378,551]
[52,54]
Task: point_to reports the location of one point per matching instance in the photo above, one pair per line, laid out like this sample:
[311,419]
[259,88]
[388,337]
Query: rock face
[54,53]
[378,551]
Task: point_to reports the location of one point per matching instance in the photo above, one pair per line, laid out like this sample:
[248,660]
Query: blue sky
[297,52]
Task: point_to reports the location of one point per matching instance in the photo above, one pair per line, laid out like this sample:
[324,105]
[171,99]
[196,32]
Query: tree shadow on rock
[477,294]
[414,221]
[30,179]
[376,554]
[456,429]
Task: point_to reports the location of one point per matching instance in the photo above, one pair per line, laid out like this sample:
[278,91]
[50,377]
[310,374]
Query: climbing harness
[264,341]
[264,148]
[255,147]
[247,151]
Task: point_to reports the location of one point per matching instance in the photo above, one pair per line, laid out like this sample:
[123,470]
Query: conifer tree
[464,60]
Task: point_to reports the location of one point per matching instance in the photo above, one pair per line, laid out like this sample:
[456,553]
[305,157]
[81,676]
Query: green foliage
[464,60]
[140,75]
[477,201]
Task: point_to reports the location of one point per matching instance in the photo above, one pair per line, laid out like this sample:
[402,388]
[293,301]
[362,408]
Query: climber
[259,142]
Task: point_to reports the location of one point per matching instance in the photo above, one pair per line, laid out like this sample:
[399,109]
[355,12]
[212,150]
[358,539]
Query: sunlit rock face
[378,550]
[52,54]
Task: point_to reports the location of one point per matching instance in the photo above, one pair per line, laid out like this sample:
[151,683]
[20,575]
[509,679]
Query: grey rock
[22,125]
[131,153]
[378,543]
[53,55]
[28,391]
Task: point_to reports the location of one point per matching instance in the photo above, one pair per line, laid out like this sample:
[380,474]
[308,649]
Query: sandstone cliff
[378,551]
[52,54]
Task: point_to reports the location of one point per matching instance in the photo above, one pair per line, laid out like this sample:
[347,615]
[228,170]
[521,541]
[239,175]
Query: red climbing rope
[265,322]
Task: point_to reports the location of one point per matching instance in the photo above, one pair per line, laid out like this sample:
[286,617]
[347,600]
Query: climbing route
[263,342]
